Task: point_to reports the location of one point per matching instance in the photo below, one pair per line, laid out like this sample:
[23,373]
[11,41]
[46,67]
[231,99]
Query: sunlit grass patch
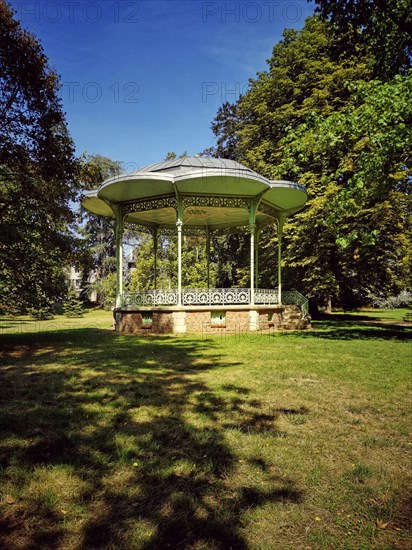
[296,440]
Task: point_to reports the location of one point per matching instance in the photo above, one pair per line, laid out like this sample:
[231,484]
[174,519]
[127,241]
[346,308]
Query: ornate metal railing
[296,298]
[215,297]
[266,297]
[151,298]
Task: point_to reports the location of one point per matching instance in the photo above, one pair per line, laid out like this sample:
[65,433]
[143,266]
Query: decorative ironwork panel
[167,231]
[219,202]
[266,297]
[215,296]
[151,298]
[138,227]
[269,210]
[150,204]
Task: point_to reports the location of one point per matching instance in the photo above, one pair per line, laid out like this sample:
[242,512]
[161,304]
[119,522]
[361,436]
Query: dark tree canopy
[382,28]
[38,171]
[98,240]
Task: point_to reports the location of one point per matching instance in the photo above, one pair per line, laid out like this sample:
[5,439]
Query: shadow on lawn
[355,328]
[142,432]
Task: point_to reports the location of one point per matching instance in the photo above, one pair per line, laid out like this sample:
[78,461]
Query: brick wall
[132,323]
[236,321]
[197,321]
[200,321]
[269,318]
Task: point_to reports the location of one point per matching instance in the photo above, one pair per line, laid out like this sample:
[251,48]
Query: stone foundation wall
[200,321]
[270,318]
[197,321]
[132,323]
[237,321]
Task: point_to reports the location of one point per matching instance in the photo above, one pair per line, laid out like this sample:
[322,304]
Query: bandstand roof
[212,193]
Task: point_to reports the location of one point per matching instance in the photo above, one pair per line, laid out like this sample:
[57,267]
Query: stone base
[208,319]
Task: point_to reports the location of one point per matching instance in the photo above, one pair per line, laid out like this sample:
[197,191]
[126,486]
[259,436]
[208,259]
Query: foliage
[142,273]
[194,264]
[73,307]
[316,116]
[37,172]
[231,260]
[403,299]
[382,28]
[303,78]
[43,308]
[172,155]
[98,254]
[105,289]
[355,165]
[224,127]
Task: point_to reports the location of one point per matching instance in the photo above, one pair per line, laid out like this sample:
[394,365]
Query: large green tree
[353,239]
[317,116]
[38,172]
[380,28]
[98,254]
[304,76]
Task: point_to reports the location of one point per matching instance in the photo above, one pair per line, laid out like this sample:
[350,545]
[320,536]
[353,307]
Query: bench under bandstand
[200,196]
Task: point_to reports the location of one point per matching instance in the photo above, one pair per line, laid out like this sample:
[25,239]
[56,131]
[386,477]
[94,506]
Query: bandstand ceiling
[212,193]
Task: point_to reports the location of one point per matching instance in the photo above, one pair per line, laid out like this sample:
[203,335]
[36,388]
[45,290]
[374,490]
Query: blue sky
[146,77]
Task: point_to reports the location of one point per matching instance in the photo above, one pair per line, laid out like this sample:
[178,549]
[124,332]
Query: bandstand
[192,196]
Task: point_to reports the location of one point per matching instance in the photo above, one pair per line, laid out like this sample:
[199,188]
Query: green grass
[265,441]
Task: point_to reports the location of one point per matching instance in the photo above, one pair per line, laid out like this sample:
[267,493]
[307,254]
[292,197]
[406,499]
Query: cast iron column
[179,224]
[252,263]
[280,223]
[155,257]
[119,254]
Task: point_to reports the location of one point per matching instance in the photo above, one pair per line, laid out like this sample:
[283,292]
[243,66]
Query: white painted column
[280,268]
[155,257]
[179,225]
[257,257]
[280,223]
[252,263]
[208,256]
[119,255]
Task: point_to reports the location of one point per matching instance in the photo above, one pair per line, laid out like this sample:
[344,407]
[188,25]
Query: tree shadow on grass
[347,329]
[135,424]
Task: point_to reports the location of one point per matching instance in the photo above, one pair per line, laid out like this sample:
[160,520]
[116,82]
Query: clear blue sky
[147,77]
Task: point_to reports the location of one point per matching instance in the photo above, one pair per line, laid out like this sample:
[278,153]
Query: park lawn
[265,441]
[92,318]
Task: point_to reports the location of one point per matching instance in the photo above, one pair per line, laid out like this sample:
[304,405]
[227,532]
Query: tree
[73,307]
[194,264]
[38,173]
[304,76]
[98,254]
[224,127]
[381,28]
[171,155]
[354,239]
[309,118]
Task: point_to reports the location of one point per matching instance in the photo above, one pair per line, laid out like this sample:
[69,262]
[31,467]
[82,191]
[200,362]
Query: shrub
[391,302]
[73,307]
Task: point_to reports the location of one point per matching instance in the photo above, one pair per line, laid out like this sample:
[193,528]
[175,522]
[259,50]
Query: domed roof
[212,192]
[180,164]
